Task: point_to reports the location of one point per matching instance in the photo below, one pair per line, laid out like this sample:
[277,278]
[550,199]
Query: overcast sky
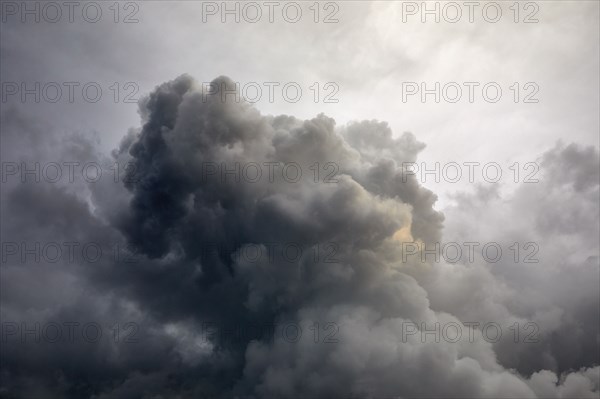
[361,67]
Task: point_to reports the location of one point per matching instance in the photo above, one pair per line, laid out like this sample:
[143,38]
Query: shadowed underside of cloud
[177,199]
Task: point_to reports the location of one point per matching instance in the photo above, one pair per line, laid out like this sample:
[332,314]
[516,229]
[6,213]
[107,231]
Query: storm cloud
[206,170]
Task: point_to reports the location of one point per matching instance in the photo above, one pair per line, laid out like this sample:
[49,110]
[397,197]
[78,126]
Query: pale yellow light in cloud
[403,234]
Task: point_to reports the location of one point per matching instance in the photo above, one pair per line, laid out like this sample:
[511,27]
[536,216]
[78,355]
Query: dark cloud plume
[208,179]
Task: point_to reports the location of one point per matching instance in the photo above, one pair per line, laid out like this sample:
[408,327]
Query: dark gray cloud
[168,207]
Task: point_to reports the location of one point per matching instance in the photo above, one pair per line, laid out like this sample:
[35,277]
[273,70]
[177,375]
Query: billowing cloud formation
[560,214]
[328,209]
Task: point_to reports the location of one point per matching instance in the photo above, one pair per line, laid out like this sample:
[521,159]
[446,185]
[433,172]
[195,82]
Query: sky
[300,199]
